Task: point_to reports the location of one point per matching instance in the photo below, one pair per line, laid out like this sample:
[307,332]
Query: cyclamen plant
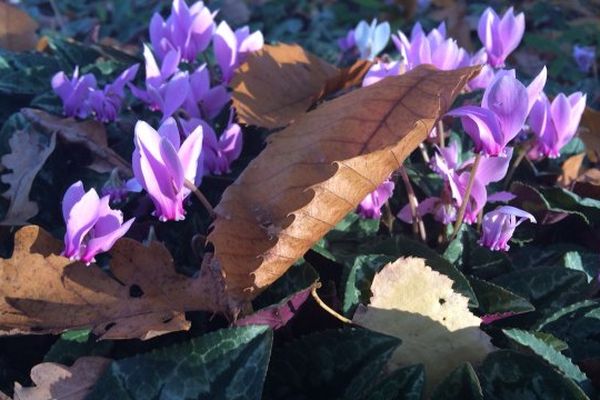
[170,162]
[510,114]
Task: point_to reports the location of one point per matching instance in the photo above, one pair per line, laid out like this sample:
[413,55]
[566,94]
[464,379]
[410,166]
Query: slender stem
[413,203]
[441,133]
[200,197]
[523,150]
[325,307]
[466,197]
[57,14]
[424,152]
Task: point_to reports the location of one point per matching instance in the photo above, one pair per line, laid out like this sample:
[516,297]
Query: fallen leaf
[346,78]
[43,292]
[59,382]
[588,184]
[455,13]
[409,6]
[90,134]
[318,169]
[29,152]
[571,169]
[278,84]
[417,305]
[17,29]
[589,132]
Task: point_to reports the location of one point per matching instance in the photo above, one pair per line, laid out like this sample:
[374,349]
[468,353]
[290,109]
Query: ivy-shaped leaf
[227,364]
[461,384]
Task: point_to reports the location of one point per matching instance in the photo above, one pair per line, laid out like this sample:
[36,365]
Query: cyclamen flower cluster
[82,98]
[508,113]
[180,152]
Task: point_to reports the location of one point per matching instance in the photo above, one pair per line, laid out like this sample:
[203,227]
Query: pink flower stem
[463,207]
[440,129]
[417,221]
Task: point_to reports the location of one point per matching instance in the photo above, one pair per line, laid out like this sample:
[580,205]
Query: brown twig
[441,133]
[325,307]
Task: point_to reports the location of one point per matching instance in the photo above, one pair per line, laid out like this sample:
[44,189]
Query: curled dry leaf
[278,84]
[90,134]
[29,152]
[43,292]
[59,382]
[17,29]
[417,305]
[318,169]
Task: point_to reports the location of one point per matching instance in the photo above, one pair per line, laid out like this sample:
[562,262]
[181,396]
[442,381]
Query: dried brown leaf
[318,169]
[43,292]
[59,382]
[29,152]
[89,134]
[17,29]
[346,78]
[418,305]
[571,169]
[278,84]
[589,132]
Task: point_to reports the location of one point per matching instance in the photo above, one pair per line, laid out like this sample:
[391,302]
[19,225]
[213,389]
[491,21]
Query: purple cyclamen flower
[92,226]
[485,76]
[218,153]
[347,42]
[166,87]
[370,206]
[74,92]
[432,48]
[106,103]
[554,124]
[371,39]
[499,225]
[504,109]
[188,30]
[584,57]
[500,36]
[232,48]
[203,101]
[162,164]
[382,70]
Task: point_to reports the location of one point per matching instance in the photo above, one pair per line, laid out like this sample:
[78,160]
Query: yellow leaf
[417,305]
[17,29]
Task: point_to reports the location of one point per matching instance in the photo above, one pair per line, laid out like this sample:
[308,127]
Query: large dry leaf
[589,132]
[43,292]
[346,78]
[278,84]
[90,134]
[59,382]
[17,29]
[416,304]
[29,152]
[318,169]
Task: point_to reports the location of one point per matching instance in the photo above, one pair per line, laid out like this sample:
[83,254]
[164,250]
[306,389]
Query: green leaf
[494,299]
[400,246]
[357,280]
[586,262]
[461,384]
[578,325]
[403,384]
[548,353]
[332,364]
[26,73]
[300,276]
[547,288]
[551,340]
[506,374]
[564,200]
[75,344]
[226,364]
